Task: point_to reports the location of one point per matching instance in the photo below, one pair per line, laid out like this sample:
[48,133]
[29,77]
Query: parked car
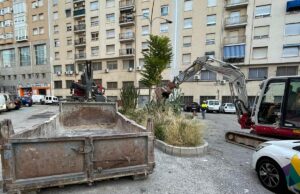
[38,99]
[191,107]
[277,164]
[51,100]
[26,101]
[2,103]
[227,108]
[213,105]
[17,100]
[10,104]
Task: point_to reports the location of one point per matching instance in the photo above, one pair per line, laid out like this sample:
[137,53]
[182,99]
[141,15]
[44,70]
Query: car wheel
[271,176]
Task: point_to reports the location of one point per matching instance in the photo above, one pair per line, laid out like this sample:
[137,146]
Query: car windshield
[230,105]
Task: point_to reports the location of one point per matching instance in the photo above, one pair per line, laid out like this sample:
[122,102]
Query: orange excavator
[275,113]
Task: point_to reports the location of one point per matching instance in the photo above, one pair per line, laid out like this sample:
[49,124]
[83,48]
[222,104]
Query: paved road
[226,168]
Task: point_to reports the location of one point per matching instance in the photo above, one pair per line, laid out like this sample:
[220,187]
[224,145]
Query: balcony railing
[80,56]
[77,1]
[79,27]
[125,52]
[126,36]
[234,40]
[236,21]
[236,3]
[21,38]
[80,42]
[126,4]
[126,20]
[79,12]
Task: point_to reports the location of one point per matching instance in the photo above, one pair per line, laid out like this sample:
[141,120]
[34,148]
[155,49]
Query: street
[225,169]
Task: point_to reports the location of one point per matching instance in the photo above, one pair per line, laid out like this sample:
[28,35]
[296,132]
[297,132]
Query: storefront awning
[293,5]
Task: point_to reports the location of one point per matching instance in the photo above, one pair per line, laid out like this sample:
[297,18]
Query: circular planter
[181,151]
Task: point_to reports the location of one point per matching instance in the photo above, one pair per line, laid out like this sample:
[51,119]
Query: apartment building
[24,47]
[262,37]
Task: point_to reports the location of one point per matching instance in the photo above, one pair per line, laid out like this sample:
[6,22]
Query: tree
[157,58]
[129,97]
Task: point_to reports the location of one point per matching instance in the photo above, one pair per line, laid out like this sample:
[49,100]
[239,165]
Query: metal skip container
[85,142]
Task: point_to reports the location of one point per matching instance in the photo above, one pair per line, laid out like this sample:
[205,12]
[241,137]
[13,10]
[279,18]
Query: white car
[227,108]
[277,164]
[38,99]
[213,105]
[51,100]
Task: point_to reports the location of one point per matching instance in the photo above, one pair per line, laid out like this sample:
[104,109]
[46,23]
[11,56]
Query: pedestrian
[203,109]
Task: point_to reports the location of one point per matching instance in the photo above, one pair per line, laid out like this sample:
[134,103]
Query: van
[51,100]
[213,105]
[2,103]
[10,104]
[38,99]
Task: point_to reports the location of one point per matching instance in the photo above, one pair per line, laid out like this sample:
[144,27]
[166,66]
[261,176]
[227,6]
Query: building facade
[24,47]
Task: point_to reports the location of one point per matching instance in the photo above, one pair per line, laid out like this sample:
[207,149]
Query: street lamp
[151,20]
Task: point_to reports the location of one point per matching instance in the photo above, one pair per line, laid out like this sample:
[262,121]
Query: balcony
[80,42]
[127,36]
[234,53]
[126,20]
[127,52]
[233,4]
[21,38]
[79,28]
[78,1]
[126,4]
[236,22]
[293,6]
[79,12]
[80,56]
[234,40]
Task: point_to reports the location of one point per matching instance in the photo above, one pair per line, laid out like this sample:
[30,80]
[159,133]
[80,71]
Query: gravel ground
[225,169]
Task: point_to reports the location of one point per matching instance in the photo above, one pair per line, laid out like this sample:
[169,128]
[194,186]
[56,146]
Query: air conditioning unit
[67,72]
[196,77]
[139,68]
[71,72]
[58,73]
[223,82]
[130,69]
[106,70]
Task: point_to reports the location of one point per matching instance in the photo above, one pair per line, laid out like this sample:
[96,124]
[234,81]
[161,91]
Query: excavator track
[244,139]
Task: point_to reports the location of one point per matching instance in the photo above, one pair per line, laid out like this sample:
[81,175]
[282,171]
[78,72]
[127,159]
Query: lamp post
[151,20]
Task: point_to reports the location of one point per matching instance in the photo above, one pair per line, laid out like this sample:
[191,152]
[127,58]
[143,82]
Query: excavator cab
[278,108]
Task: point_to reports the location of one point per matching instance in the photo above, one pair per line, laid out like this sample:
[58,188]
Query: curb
[181,151]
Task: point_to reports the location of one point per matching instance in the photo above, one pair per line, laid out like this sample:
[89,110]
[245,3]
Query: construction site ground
[225,169]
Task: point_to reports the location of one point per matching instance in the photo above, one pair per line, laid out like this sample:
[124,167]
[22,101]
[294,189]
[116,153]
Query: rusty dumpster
[83,143]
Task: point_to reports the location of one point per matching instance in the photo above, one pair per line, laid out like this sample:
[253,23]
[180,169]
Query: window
[55,29]
[164,10]
[15,77]
[40,54]
[210,38]
[56,55]
[112,85]
[69,41]
[211,20]
[290,51]
[35,31]
[210,54]
[54,2]
[110,3]
[292,112]
[110,18]
[70,67]
[56,42]
[41,16]
[188,5]
[141,62]
[8,58]
[110,33]
[69,27]
[55,15]
[93,5]
[57,68]
[68,13]
[128,64]
[260,52]
[97,66]
[258,73]
[69,54]
[211,3]
[145,30]
[68,83]
[128,83]
[25,56]
[98,81]
[94,21]
[40,3]
[94,36]
[145,46]
[145,13]
[262,11]
[34,17]
[164,27]
[29,76]
[287,70]
[110,48]
[34,5]
[41,30]
[187,23]
[261,32]
[187,41]
[23,76]
[208,75]
[95,50]
[186,59]
[57,84]
[112,65]
[292,29]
